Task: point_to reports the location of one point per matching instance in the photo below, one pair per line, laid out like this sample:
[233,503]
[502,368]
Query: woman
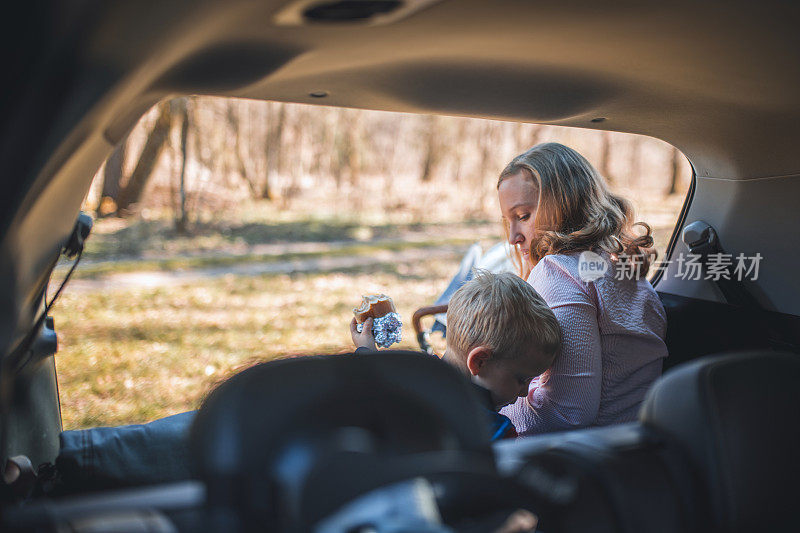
[566,227]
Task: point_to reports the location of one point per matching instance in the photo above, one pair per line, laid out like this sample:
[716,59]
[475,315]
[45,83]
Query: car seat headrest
[266,433]
[736,415]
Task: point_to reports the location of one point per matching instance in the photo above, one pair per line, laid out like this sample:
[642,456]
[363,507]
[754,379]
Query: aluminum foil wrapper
[387,329]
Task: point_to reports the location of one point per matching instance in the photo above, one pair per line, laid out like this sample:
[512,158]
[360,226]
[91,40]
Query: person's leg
[140,454]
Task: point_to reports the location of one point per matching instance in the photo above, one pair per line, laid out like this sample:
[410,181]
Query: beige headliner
[717,81]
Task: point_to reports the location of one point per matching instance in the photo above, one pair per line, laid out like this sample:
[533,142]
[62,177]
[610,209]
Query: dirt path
[149,279]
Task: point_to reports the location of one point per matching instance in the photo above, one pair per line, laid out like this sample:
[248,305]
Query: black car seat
[283,444]
[626,478]
[737,417]
[716,449]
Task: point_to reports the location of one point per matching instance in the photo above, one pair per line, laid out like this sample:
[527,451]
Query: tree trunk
[487,145]
[132,192]
[235,123]
[182,220]
[605,156]
[347,161]
[461,141]
[433,149]
[352,151]
[676,167]
[112,177]
[274,147]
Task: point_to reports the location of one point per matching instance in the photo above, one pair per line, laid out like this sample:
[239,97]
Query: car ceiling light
[336,12]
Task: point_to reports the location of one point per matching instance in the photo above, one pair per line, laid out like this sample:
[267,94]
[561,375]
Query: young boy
[501,333]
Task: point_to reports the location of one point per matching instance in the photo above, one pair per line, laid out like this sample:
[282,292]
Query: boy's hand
[365,338]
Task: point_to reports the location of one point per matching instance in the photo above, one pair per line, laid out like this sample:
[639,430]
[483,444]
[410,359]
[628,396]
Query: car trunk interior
[83,73]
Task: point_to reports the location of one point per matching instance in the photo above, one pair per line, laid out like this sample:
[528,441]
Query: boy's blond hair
[504,313]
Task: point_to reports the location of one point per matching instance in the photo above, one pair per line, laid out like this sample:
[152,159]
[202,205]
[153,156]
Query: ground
[153,320]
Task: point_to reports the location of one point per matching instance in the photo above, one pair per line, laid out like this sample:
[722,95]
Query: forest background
[233,231]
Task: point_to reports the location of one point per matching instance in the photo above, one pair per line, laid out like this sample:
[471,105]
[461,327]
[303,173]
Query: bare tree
[461,142]
[605,156]
[239,149]
[347,147]
[676,169]
[112,177]
[132,192]
[486,143]
[180,110]
[209,146]
[234,116]
[322,131]
[433,148]
[354,148]
[276,121]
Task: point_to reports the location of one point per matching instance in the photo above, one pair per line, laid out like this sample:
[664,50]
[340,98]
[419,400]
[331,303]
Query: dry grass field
[137,344]
[136,354]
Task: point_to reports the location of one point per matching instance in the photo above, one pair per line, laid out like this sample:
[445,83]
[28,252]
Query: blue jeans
[125,456]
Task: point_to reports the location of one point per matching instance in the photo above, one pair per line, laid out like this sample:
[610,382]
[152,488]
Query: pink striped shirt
[613,348]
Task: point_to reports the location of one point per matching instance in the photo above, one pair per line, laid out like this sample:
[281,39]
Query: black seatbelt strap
[702,240]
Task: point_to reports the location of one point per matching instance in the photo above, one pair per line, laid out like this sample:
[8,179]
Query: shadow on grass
[393,269]
[319,230]
[143,235]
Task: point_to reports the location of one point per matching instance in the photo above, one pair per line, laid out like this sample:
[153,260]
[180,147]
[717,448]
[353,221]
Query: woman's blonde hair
[576,210]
